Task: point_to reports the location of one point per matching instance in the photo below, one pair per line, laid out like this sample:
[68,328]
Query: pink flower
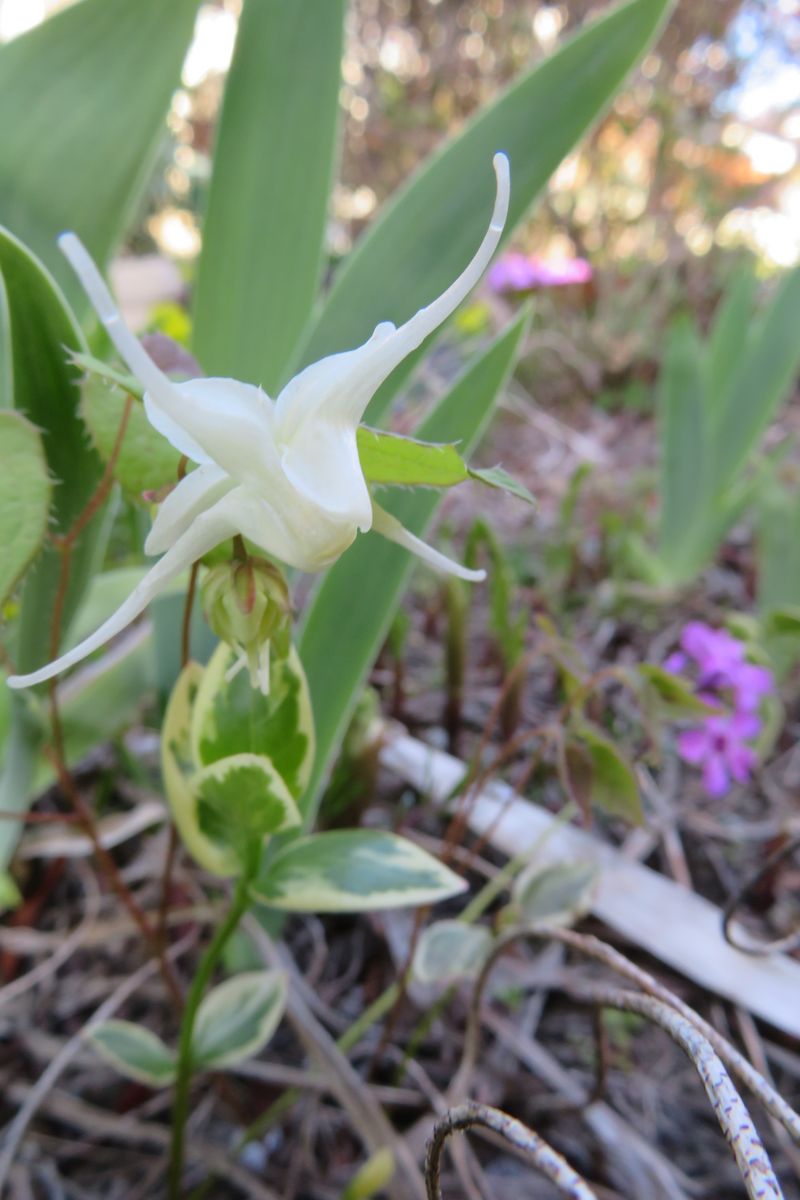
[717,653]
[720,746]
[516,272]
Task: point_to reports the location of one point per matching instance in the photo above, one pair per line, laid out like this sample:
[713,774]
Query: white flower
[283,473]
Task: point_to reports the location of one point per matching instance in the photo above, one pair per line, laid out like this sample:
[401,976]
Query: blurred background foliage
[694,167]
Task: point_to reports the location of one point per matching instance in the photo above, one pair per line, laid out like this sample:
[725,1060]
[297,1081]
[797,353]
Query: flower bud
[247,604]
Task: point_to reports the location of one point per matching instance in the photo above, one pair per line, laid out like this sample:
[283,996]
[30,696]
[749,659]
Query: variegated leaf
[238,1018]
[135,1052]
[451,950]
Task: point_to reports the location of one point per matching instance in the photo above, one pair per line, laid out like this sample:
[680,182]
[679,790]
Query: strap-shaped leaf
[351,611]
[135,1052]
[231,717]
[238,1017]
[264,231]
[88,91]
[24,497]
[427,233]
[354,870]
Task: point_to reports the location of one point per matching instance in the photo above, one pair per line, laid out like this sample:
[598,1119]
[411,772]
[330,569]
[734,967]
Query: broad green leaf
[611,784]
[135,1052]
[146,460]
[764,375]
[24,497]
[390,458]
[686,457]
[448,951]
[178,767]
[427,233]
[88,90]
[354,870]
[729,335]
[675,696]
[351,612]
[496,477]
[46,391]
[557,894]
[232,717]
[273,165]
[238,1017]
[242,798]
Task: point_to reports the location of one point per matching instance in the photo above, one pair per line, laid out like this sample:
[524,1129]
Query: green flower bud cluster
[247,604]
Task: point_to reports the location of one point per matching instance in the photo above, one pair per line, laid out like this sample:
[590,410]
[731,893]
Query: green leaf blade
[135,1052]
[238,1017]
[389,458]
[273,165]
[353,871]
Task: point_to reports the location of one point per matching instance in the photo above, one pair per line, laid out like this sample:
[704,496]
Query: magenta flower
[720,745]
[516,272]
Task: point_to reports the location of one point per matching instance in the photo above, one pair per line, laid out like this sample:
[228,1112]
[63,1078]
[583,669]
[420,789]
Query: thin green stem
[208,963]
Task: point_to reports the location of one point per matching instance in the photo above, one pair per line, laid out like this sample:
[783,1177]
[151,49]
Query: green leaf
[24,497]
[729,335]
[267,211]
[238,1017]
[178,766]
[675,695]
[557,894]
[430,229]
[354,870]
[231,717]
[351,612]
[612,783]
[448,951]
[89,90]
[10,895]
[242,798]
[765,373]
[146,460]
[782,622]
[687,469]
[373,1178]
[496,477]
[135,1052]
[390,458]
[46,391]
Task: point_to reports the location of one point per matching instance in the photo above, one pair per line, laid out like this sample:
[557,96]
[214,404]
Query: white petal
[210,528]
[341,386]
[384,523]
[292,529]
[131,349]
[221,421]
[196,492]
[322,463]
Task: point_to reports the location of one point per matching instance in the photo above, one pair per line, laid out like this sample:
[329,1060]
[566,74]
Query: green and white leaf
[24,497]
[238,1017]
[448,951]
[242,798]
[557,894]
[178,768]
[231,717]
[146,460]
[135,1052]
[390,458]
[354,871]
